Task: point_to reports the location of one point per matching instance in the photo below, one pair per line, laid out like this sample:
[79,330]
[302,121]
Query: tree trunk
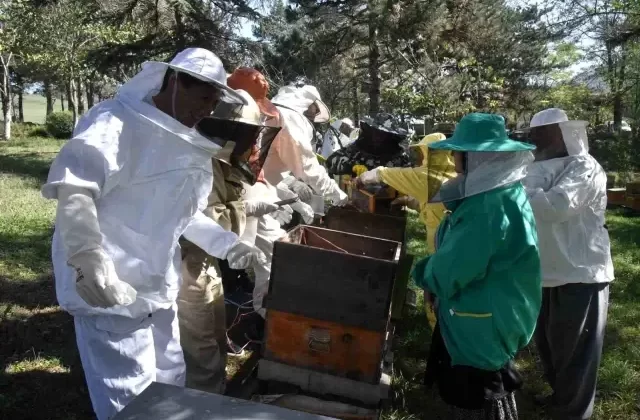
[354,98]
[374,66]
[70,99]
[49,95]
[618,100]
[8,111]
[90,94]
[71,93]
[4,103]
[6,98]
[180,30]
[21,104]
[7,121]
[62,101]
[80,96]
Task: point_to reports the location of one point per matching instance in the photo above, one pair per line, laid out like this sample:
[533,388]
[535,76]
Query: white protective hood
[197,62]
[574,133]
[300,99]
[292,150]
[150,178]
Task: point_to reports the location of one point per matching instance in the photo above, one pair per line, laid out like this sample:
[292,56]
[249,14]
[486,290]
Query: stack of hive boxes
[328,307]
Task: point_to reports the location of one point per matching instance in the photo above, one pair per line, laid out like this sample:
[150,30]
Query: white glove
[244,255]
[371,177]
[338,197]
[258,208]
[97,282]
[283,215]
[305,211]
[300,188]
[77,222]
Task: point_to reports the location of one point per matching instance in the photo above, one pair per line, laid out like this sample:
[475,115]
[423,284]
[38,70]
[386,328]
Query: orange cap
[256,85]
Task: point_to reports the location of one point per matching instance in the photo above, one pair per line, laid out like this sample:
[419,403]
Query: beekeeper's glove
[300,188]
[97,282]
[338,197]
[283,215]
[371,177]
[408,201]
[258,208]
[244,255]
[305,211]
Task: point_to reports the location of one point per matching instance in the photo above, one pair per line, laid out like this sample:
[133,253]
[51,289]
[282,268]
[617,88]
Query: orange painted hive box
[329,301]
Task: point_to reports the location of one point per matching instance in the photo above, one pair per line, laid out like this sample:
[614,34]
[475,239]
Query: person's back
[491,305]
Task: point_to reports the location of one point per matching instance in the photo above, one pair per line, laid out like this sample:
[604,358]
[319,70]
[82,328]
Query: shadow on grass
[31,295]
[41,375]
[33,165]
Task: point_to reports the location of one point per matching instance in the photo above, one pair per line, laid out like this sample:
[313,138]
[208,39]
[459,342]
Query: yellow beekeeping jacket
[423,182]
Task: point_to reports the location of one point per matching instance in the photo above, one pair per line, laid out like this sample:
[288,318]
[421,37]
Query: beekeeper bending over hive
[201,308]
[298,107]
[132,180]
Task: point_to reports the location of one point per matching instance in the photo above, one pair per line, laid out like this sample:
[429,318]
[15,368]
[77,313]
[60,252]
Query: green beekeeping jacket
[486,276]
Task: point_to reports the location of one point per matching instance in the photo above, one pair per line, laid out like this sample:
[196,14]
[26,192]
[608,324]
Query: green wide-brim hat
[481,133]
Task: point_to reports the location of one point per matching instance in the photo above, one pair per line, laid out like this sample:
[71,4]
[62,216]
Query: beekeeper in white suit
[567,190]
[132,180]
[291,164]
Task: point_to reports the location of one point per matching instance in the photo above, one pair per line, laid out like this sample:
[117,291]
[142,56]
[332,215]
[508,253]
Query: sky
[246,29]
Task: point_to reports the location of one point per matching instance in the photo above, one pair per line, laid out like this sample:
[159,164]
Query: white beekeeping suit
[569,198]
[292,150]
[130,182]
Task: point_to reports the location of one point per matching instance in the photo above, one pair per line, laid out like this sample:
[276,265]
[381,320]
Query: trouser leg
[118,359]
[170,366]
[541,334]
[202,326]
[575,332]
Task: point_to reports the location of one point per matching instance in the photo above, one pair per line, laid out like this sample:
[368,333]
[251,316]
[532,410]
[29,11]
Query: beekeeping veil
[555,136]
[492,160]
[240,129]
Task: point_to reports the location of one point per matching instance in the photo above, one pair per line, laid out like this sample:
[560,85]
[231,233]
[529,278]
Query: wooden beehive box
[329,300]
[376,200]
[392,228]
[381,226]
[633,188]
[633,202]
[616,196]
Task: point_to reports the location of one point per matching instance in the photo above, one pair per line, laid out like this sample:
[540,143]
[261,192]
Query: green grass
[41,376]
